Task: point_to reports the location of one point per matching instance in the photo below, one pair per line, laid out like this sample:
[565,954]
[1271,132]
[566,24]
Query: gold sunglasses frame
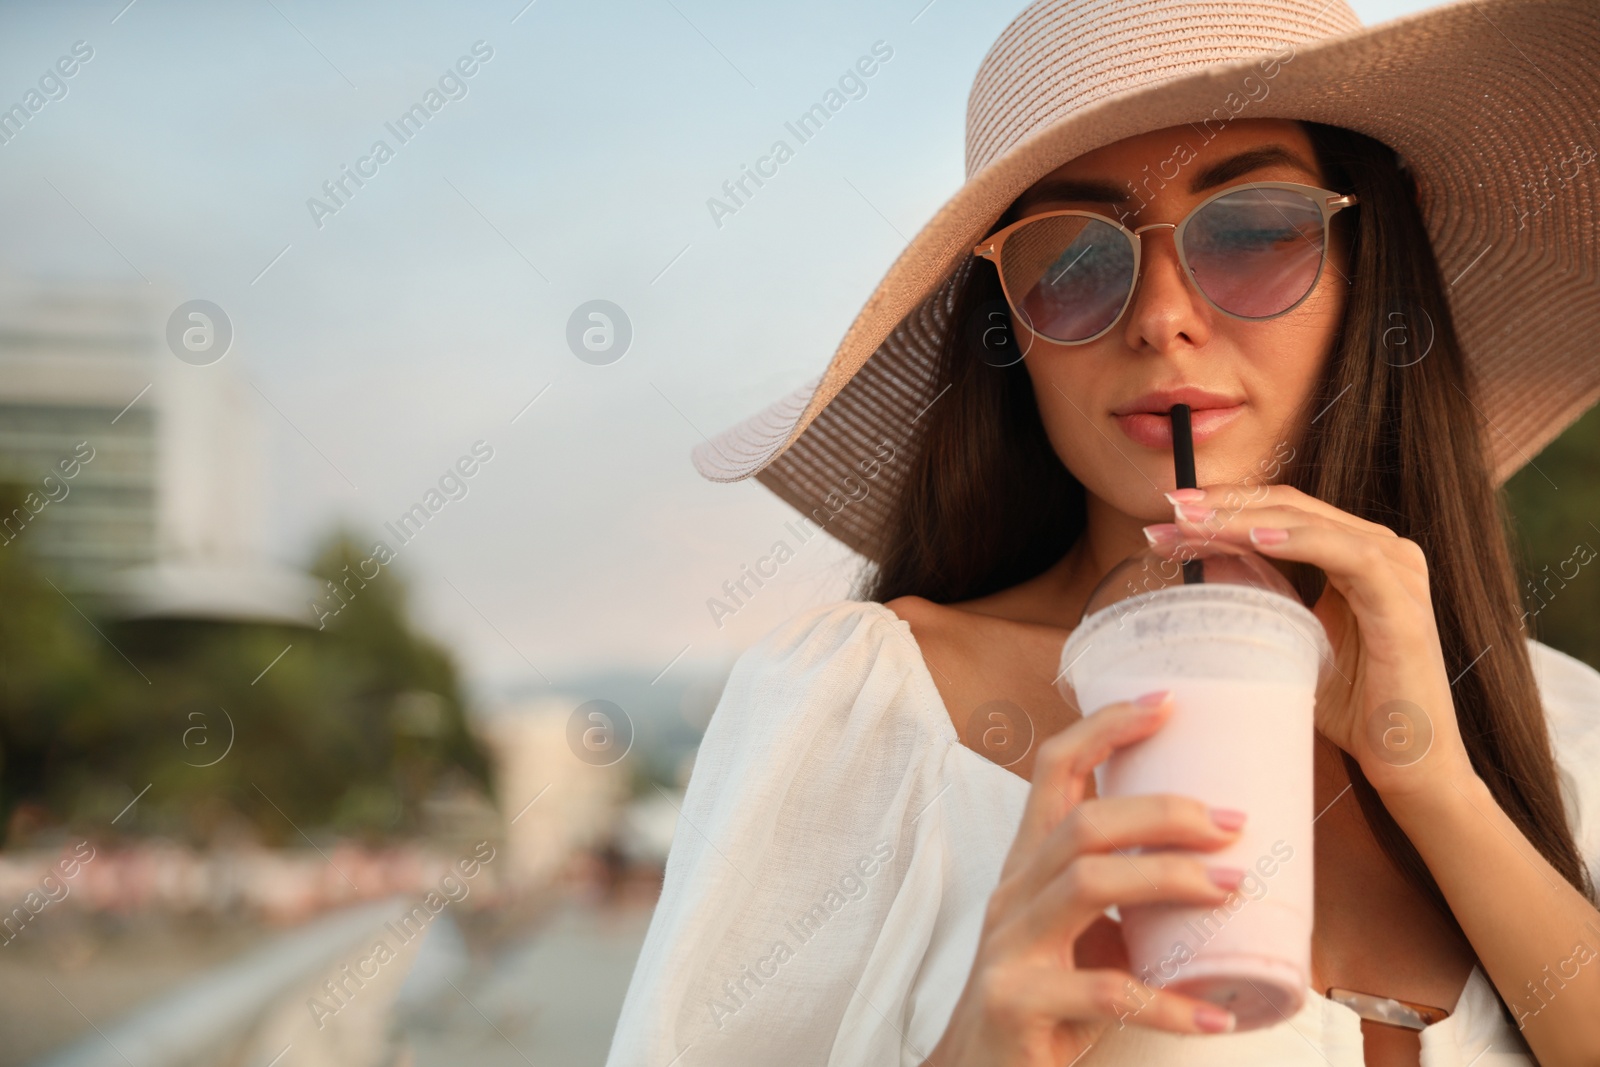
[1331,203]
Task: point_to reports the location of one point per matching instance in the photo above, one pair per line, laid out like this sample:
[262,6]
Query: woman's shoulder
[819,633]
[853,657]
[1569,690]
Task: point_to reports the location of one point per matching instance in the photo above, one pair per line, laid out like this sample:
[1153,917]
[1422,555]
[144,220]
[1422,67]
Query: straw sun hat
[1491,104]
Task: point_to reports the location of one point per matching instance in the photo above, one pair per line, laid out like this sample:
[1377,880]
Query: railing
[252,1010]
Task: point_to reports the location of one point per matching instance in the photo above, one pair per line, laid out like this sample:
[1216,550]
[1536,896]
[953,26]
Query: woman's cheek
[1070,434]
[1062,400]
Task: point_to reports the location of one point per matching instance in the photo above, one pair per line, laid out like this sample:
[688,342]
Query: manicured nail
[1268,535]
[1194,512]
[1161,533]
[1154,700]
[1214,1020]
[1225,877]
[1185,496]
[1227,818]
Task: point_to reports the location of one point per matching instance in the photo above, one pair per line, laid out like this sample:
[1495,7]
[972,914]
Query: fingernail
[1154,700]
[1225,877]
[1213,1020]
[1268,535]
[1160,533]
[1227,818]
[1185,496]
[1194,512]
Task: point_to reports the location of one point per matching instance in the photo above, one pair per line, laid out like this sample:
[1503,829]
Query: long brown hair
[987,503]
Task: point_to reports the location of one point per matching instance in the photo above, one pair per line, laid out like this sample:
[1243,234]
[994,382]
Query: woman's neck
[1056,597]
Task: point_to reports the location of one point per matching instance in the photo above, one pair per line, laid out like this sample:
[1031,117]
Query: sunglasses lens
[1068,276]
[1256,253]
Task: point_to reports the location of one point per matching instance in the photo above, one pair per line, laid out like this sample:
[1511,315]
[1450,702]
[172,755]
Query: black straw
[1183,469]
[1183,447]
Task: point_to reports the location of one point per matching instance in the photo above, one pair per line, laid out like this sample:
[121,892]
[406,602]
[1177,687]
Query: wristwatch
[1388,1010]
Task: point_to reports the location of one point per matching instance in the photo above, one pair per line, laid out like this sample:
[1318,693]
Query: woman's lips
[1155,431]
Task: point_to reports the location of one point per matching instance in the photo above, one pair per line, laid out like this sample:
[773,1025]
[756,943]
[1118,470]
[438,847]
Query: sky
[393,325]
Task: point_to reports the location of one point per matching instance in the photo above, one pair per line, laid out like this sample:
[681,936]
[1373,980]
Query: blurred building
[647,826]
[578,802]
[141,474]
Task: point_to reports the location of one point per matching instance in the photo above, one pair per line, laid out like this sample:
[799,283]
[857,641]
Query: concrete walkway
[552,998]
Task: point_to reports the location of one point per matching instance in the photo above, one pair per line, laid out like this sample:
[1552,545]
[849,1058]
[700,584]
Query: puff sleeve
[1569,689]
[804,882]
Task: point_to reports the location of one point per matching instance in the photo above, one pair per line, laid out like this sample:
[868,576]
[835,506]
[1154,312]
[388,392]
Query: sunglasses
[1253,251]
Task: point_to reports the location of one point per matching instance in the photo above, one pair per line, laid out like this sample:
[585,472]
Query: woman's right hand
[1051,973]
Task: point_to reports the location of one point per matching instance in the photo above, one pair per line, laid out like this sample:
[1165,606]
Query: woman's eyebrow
[1104,192]
[1272,155]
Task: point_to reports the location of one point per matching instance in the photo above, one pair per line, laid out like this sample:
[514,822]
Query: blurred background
[351,594]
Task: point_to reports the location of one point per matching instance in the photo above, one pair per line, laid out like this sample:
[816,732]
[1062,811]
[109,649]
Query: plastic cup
[1242,658]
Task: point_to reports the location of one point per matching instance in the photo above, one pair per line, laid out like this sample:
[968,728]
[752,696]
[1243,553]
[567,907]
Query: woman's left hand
[1386,700]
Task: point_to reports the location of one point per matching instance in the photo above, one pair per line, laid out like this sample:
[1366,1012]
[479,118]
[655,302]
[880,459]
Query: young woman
[861,874]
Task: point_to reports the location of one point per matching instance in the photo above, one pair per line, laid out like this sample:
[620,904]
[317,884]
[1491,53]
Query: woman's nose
[1165,306]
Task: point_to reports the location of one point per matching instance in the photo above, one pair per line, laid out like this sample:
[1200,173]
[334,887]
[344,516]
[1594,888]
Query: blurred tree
[49,668]
[352,727]
[1555,504]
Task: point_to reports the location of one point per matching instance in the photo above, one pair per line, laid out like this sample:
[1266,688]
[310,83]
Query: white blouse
[837,847]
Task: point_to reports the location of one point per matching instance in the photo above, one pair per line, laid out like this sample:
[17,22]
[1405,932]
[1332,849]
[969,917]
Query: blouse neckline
[933,702]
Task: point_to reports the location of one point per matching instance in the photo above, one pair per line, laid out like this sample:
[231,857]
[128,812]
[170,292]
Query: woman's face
[1245,381]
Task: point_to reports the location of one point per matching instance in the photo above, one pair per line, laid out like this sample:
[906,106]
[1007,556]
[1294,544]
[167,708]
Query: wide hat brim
[1492,106]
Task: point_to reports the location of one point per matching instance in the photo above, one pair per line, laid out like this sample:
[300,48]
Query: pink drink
[1242,664]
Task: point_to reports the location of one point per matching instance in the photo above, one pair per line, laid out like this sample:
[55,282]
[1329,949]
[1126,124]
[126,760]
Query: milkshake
[1222,630]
